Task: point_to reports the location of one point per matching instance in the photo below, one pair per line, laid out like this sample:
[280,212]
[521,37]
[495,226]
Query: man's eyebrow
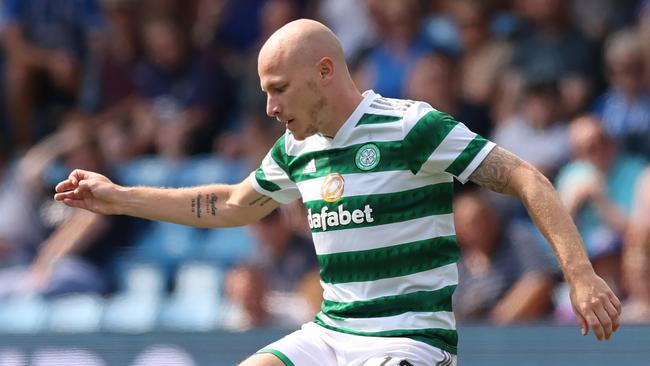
[275,85]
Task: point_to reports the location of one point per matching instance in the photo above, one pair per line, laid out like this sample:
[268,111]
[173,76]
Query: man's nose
[272,107]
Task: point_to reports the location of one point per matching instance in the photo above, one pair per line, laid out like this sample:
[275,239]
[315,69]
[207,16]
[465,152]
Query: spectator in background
[350,20]
[434,79]
[385,68]
[644,33]
[597,18]
[73,247]
[287,262]
[598,187]
[484,58]
[636,256]
[501,280]
[48,43]
[111,97]
[625,108]
[4,156]
[117,56]
[177,90]
[273,15]
[246,295]
[550,47]
[285,257]
[254,124]
[536,127]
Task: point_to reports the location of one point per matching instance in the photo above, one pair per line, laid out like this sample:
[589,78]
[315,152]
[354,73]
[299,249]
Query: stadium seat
[78,313]
[194,303]
[135,308]
[226,247]
[23,315]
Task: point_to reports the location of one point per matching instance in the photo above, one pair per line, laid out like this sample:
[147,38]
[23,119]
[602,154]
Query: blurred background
[166,93]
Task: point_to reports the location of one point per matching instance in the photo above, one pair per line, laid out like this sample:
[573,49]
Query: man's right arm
[216,205]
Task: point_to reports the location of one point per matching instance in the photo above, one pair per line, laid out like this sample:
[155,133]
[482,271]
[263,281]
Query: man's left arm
[594,303]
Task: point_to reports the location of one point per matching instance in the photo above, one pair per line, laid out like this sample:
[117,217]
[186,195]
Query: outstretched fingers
[64,186]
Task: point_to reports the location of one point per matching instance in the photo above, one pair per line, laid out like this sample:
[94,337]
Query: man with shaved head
[376,176]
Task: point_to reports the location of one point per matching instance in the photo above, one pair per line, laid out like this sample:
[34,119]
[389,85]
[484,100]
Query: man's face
[292,95]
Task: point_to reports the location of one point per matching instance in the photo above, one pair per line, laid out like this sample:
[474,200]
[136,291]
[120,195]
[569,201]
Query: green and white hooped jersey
[379,202]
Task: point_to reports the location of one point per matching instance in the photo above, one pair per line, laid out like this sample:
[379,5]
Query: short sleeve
[272,177]
[435,143]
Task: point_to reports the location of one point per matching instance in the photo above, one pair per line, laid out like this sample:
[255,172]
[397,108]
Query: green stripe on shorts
[277,354]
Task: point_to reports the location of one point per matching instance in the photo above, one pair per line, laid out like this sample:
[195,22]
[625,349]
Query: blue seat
[18,315]
[208,169]
[79,313]
[194,304]
[147,171]
[226,247]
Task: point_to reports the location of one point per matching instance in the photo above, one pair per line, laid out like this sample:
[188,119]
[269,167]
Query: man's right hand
[90,191]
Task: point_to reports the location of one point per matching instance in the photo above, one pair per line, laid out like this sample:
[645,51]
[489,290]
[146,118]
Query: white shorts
[313,345]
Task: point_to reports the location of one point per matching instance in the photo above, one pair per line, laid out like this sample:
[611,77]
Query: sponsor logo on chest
[331,190]
[326,219]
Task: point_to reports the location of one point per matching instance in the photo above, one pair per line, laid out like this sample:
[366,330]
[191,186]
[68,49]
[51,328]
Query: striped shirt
[379,203]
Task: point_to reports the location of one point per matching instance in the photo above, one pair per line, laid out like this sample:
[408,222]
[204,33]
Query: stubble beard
[316,113]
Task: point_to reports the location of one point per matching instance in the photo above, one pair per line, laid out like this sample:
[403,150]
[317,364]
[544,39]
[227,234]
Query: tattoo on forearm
[198,205]
[212,201]
[495,171]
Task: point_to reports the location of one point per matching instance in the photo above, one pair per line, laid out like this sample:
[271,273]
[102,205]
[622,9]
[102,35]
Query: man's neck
[343,106]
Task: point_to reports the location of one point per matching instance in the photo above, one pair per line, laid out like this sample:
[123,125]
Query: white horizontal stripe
[445,154]
[409,320]
[475,163]
[380,132]
[282,196]
[289,191]
[312,143]
[373,237]
[362,184]
[430,280]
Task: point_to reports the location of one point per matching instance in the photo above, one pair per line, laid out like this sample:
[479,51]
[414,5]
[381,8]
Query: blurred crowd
[166,93]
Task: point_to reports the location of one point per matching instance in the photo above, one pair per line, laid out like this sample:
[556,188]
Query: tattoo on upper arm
[256,200]
[260,201]
[495,171]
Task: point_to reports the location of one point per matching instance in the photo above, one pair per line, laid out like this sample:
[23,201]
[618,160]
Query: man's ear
[326,68]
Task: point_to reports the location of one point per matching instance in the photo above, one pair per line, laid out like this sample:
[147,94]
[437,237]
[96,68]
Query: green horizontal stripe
[278,354]
[368,118]
[279,154]
[388,208]
[342,161]
[427,134]
[467,156]
[393,261]
[445,339]
[264,183]
[420,301]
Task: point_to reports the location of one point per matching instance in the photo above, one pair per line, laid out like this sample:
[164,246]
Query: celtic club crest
[367,157]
